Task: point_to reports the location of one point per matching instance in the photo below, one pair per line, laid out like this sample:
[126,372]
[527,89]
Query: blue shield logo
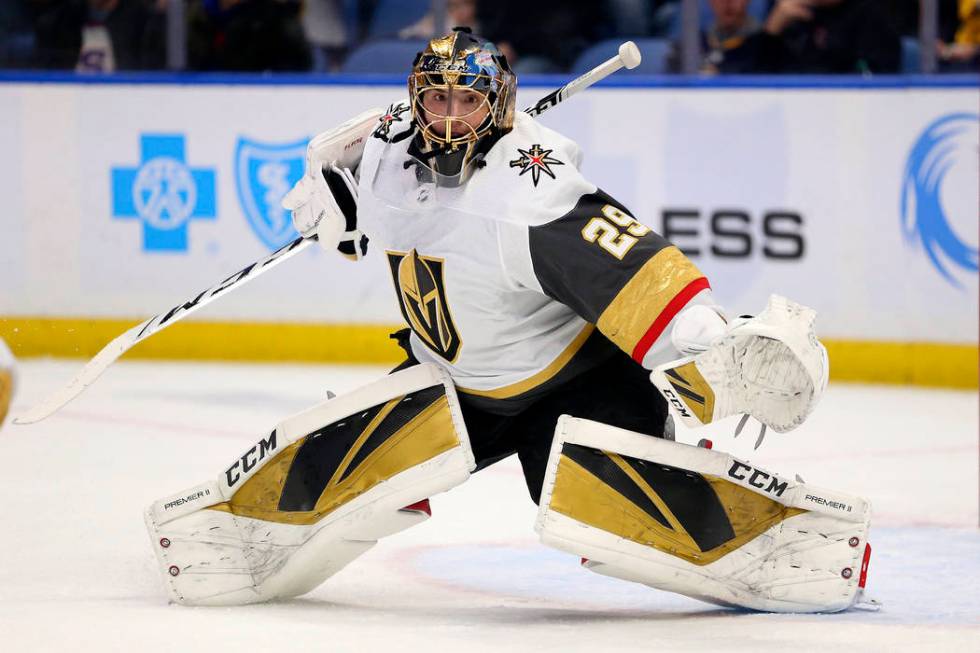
[929,218]
[264,173]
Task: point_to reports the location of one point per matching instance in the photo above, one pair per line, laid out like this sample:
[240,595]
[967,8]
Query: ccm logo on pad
[677,403]
[757,478]
[251,458]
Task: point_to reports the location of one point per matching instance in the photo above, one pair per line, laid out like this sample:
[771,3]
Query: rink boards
[858,199]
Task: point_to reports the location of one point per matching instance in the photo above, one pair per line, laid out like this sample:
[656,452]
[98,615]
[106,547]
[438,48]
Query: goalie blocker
[315,494]
[700,522]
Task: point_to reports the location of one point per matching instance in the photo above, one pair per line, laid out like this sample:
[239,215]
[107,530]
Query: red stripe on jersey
[673,308]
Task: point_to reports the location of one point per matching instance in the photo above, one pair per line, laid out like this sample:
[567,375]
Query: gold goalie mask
[462,94]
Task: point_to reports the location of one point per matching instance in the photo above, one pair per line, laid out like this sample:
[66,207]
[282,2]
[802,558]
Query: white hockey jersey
[525,275]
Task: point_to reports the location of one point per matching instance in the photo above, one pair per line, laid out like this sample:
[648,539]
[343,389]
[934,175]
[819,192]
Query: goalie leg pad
[314,495]
[700,522]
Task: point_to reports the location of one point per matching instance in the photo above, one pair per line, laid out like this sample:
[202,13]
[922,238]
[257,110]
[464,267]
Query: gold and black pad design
[324,470]
[699,518]
[421,288]
[603,467]
[687,381]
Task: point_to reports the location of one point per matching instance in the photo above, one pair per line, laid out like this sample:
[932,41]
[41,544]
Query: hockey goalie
[544,319]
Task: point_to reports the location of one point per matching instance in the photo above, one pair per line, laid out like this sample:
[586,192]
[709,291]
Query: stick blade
[92,371]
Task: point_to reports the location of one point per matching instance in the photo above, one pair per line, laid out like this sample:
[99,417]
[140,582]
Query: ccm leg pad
[315,494]
[701,523]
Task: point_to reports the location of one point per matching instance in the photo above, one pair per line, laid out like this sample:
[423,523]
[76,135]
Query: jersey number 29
[607,231]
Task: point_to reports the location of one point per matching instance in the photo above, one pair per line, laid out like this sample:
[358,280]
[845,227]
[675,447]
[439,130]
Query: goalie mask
[462,93]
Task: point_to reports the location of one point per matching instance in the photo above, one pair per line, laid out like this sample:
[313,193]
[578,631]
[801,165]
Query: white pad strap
[771,367]
[315,494]
[700,522]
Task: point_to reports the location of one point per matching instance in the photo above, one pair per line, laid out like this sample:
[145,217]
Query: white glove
[697,327]
[324,205]
[324,200]
[771,367]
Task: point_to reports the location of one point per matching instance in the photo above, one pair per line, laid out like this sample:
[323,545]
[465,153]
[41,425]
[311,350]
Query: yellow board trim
[914,363]
[545,375]
[645,296]
[910,363]
[193,340]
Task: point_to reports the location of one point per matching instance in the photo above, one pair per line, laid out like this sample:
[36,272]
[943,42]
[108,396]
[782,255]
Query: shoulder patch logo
[392,115]
[536,161]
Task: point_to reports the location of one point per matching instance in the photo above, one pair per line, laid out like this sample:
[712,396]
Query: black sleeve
[613,271]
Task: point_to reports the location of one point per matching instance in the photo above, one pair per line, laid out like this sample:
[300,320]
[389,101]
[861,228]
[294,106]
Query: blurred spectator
[459,13]
[906,17]
[963,54]
[630,17]
[247,35]
[802,36]
[732,43]
[16,35]
[834,36]
[326,32]
[123,35]
[99,35]
[57,32]
[543,36]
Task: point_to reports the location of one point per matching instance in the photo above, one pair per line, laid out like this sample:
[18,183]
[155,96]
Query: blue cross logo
[163,193]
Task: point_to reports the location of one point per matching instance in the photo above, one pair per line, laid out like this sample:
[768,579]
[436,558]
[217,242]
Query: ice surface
[76,570]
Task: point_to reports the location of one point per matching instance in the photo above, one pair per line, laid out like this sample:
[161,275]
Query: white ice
[77,571]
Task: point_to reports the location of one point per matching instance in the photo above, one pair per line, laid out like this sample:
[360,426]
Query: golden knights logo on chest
[421,292]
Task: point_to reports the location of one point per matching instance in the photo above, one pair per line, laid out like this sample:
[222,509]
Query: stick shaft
[129,339]
[577,85]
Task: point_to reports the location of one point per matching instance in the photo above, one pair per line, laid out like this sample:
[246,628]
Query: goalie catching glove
[771,367]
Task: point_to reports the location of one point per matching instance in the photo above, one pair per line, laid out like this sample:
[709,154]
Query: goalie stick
[627,57]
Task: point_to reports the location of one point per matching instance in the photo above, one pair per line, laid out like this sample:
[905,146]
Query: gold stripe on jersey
[542,377]
[645,296]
